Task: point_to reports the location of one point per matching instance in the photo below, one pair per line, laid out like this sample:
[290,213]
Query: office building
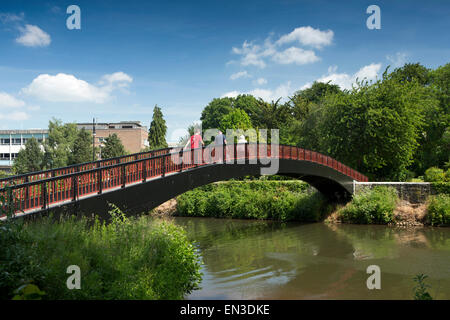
[12,141]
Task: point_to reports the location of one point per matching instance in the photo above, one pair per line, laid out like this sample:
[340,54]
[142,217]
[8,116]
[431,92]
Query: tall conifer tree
[157,131]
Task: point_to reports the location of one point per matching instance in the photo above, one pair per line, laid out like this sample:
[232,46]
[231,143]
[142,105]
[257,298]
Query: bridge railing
[45,174]
[90,179]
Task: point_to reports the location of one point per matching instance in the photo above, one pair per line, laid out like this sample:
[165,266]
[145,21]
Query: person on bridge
[219,141]
[194,142]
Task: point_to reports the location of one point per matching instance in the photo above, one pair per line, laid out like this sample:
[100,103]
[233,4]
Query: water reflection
[270,260]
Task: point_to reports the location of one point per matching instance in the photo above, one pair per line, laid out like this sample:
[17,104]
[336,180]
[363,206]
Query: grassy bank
[125,259]
[380,205]
[275,200]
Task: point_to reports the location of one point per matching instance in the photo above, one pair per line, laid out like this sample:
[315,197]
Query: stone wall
[414,192]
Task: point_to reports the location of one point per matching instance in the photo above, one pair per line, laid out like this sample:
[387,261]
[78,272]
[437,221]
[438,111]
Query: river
[248,259]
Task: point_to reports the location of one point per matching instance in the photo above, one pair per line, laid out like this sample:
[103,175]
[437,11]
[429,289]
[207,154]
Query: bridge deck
[44,190]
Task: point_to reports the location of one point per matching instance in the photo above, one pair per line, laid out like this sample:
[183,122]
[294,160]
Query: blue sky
[130,55]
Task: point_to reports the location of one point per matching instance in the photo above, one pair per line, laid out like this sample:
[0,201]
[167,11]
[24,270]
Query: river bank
[126,258]
[377,206]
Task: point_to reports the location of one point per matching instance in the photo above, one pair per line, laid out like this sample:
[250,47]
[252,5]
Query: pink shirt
[196,141]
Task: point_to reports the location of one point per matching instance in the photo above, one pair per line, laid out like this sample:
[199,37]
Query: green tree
[236,119]
[434,149]
[247,103]
[59,144]
[29,159]
[213,113]
[82,148]
[157,131]
[113,147]
[412,72]
[374,128]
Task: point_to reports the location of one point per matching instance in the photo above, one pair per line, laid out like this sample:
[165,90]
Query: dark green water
[267,260]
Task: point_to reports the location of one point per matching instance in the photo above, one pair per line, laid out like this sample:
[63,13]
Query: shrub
[125,259]
[276,200]
[439,210]
[374,205]
[441,187]
[434,174]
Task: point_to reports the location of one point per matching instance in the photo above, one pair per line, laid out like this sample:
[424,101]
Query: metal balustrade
[41,190]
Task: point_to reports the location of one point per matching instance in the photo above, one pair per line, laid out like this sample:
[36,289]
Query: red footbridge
[142,181]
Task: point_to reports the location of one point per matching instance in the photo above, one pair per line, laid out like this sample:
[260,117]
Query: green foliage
[28,292]
[125,259]
[371,206]
[59,145]
[82,148]
[236,119]
[374,128]
[434,174]
[113,147]
[434,149]
[438,213]
[420,290]
[157,131]
[29,159]
[441,187]
[5,174]
[275,200]
[412,72]
[212,114]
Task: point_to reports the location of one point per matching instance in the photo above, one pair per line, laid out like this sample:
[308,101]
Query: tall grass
[371,206]
[438,213]
[125,259]
[275,200]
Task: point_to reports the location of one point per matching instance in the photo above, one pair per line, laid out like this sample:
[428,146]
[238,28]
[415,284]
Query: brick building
[132,134]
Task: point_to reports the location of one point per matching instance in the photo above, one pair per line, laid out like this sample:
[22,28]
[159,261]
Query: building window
[16,141]
[4,156]
[127,127]
[112,127]
[4,141]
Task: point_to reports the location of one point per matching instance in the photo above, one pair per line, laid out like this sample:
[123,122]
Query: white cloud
[256,55]
[116,77]
[282,91]
[67,88]
[240,74]
[295,55]
[308,36]
[15,116]
[64,88]
[345,80]
[398,60]
[11,17]
[260,81]
[231,94]
[33,36]
[8,101]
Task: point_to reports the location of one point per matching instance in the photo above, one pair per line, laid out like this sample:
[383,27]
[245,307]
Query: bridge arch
[146,196]
[138,184]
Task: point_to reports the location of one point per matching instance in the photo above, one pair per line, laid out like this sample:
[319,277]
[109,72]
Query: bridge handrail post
[26,192]
[181,156]
[144,171]
[100,181]
[75,185]
[44,195]
[124,178]
[163,170]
